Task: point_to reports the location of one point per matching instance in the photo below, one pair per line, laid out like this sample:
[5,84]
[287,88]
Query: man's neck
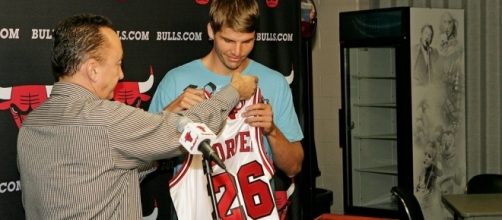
[79,80]
[213,64]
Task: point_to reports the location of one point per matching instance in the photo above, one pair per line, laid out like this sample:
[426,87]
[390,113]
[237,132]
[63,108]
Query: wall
[327,95]
[156,35]
[483,84]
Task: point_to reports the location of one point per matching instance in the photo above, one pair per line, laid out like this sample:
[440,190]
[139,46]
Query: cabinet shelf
[363,76]
[388,170]
[377,136]
[382,202]
[376,105]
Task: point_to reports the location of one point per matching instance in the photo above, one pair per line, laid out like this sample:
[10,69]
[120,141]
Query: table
[474,206]
[332,216]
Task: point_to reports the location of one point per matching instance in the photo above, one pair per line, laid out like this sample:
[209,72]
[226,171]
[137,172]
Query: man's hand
[288,156]
[186,100]
[244,84]
[260,115]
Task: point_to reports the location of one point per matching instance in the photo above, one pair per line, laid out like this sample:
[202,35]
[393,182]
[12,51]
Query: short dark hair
[76,39]
[427,26]
[239,15]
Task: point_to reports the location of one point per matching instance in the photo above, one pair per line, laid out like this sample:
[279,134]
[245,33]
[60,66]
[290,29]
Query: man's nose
[121,76]
[237,49]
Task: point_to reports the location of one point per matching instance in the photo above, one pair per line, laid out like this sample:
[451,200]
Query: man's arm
[191,96]
[156,134]
[244,85]
[186,100]
[288,156]
[203,112]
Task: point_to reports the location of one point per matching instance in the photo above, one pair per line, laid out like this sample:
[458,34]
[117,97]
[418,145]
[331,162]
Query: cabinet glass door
[371,116]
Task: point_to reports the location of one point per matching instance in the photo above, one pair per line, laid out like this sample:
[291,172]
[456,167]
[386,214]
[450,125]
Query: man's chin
[233,66]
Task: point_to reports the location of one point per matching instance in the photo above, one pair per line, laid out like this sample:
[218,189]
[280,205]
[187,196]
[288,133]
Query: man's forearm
[288,156]
[214,111]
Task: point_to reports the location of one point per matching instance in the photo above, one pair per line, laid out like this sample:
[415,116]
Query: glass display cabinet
[373,125]
[386,132]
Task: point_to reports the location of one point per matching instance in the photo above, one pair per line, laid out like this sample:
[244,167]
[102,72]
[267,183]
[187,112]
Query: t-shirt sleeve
[165,93]
[285,116]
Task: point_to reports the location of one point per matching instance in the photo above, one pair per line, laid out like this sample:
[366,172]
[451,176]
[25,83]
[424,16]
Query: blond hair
[239,15]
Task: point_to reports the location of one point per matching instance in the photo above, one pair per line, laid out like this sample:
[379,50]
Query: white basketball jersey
[244,192]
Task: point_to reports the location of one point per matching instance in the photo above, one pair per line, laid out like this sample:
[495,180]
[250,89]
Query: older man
[79,153]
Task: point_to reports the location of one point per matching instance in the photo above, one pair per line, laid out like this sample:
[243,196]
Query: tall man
[232,25]
[425,57]
[80,154]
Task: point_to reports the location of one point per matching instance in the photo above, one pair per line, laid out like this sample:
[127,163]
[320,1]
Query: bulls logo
[291,75]
[272,3]
[201,128]
[188,137]
[236,110]
[22,99]
[202,2]
[132,93]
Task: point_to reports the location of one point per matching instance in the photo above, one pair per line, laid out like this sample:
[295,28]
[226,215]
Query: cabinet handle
[341,128]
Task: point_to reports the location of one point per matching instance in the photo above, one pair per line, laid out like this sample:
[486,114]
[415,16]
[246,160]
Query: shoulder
[273,84]
[114,114]
[256,65]
[106,107]
[264,72]
[187,67]
[180,73]
[415,50]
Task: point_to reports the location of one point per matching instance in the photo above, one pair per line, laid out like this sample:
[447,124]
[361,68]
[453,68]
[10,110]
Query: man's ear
[210,32]
[90,68]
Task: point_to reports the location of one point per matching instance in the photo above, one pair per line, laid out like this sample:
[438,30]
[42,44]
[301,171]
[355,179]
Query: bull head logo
[272,3]
[188,137]
[236,109]
[202,2]
[132,93]
[22,99]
